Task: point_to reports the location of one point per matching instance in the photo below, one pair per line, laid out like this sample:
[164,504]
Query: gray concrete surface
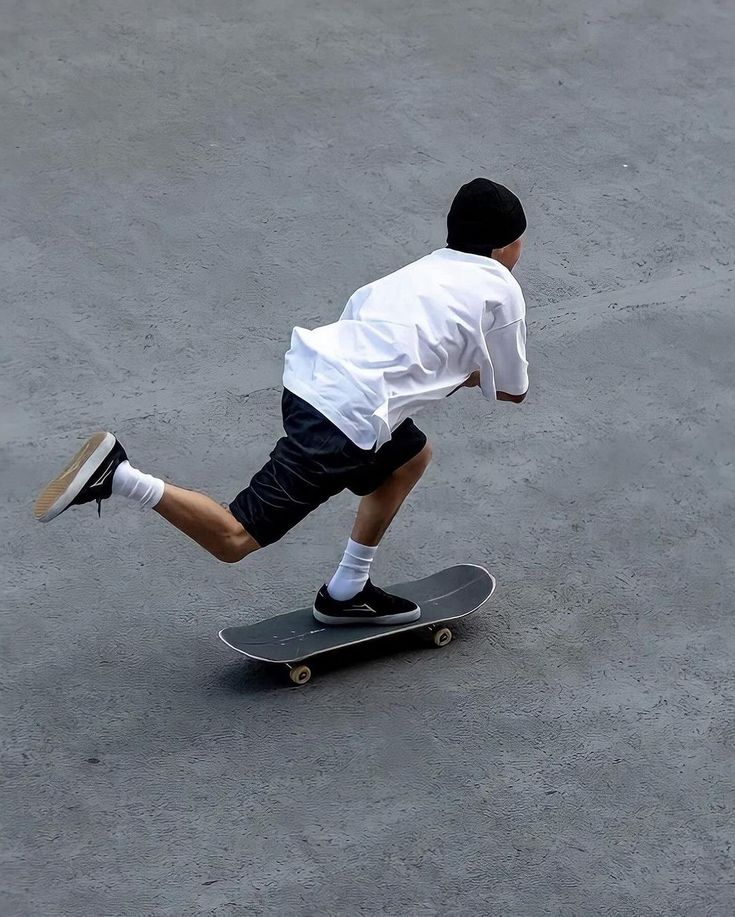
[181,183]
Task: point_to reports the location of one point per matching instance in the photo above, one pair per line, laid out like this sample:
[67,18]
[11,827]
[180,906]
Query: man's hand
[472,381]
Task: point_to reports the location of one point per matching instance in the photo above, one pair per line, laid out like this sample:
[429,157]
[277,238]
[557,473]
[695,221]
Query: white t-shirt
[409,339]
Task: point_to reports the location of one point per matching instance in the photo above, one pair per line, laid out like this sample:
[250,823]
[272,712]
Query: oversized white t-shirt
[412,338]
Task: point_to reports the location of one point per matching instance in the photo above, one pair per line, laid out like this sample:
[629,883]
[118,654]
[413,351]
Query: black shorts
[311,463]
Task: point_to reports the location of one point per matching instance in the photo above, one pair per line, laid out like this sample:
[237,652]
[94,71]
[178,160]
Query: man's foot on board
[370,606]
[87,477]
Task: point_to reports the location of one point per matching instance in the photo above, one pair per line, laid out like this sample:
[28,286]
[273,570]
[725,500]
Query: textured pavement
[182,183]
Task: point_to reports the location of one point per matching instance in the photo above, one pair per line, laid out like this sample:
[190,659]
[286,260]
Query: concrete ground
[183,182]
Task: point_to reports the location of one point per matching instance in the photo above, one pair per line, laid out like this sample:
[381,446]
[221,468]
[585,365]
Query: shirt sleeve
[507,370]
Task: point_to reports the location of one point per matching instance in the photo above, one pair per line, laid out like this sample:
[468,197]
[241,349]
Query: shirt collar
[484,260]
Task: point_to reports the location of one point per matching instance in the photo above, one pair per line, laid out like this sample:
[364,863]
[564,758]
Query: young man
[452,319]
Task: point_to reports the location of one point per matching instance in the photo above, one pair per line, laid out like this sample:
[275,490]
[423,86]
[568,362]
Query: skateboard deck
[291,639]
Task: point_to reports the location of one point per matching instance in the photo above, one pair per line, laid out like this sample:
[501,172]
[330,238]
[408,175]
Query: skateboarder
[455,318]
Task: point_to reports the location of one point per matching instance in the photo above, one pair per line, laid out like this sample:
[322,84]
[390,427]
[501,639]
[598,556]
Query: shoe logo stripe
[104,477]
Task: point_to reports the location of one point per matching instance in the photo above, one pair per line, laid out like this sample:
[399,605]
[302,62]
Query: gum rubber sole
[58,494]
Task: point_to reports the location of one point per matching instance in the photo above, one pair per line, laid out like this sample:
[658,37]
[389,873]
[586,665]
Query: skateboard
[293,639]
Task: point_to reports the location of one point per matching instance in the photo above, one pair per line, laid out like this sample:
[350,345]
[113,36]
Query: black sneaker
[87,477]
[370,606]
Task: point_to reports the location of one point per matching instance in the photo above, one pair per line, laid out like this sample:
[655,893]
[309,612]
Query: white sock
[353,571]
[129,482]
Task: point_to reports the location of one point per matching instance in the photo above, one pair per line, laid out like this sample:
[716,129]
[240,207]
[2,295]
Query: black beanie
[484,215]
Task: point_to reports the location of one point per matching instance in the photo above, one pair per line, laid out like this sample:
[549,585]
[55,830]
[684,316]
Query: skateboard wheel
[442,636]
[300,674]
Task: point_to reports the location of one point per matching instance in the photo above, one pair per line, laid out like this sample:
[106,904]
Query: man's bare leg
[208,523]
[378,509]
[374,515]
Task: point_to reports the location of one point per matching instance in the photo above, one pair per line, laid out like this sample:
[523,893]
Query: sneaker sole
[60,493]
[405,617]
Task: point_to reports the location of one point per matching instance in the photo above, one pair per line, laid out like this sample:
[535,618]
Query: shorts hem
[263,539]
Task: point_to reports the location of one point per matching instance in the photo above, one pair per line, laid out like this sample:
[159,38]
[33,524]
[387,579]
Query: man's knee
[412,470]
[420,462]
[233,547]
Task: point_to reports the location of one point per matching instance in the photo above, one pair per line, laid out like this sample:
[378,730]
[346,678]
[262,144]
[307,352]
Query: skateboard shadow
[248,676]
